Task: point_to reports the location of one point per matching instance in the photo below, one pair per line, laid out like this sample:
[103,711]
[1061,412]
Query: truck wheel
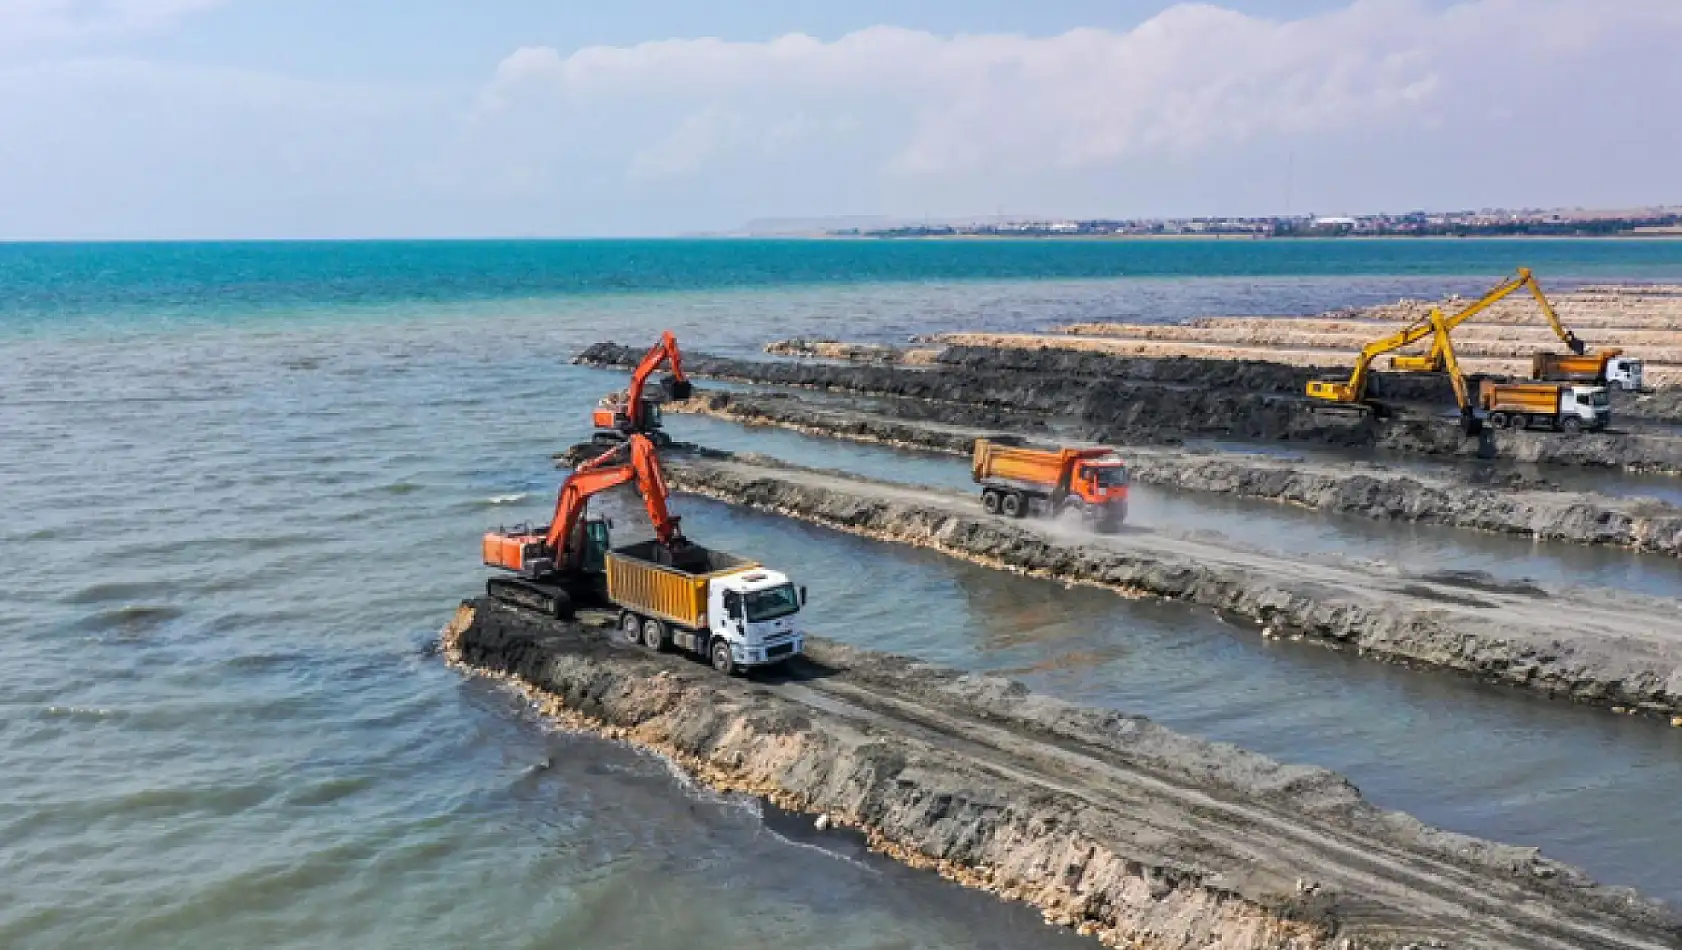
[654,635]
[1011,505]
[1498,420]
[1571,425]
[722,660]
[990,501]
[630,626]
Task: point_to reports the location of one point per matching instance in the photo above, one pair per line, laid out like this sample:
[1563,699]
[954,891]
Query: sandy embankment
[1107,823]
[1645,324]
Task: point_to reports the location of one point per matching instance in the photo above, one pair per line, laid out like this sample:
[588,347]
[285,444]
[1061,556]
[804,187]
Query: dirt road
[1108,823]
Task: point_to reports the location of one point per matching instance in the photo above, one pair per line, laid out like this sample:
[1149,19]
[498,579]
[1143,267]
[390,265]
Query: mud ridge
[1107,823]
[1133,410]
[1601,647]
[1257,374]
[1520,507]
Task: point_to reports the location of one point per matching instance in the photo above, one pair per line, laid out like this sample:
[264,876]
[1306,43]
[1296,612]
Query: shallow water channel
[1253,523]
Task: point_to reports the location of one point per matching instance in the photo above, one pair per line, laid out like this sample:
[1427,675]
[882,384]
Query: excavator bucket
[676,389]
[1471,423]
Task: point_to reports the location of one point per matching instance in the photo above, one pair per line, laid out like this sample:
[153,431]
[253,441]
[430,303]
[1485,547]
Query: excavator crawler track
[545,599]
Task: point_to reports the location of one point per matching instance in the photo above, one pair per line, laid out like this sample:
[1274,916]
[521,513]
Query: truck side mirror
[802,595]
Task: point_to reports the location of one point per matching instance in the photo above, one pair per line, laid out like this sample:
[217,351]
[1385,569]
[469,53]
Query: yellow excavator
[1435,360]
[1352,392]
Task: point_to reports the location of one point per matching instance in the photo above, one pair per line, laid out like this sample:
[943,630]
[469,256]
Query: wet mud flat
[1506,503]
[1166,402]
[1109,824]
[1603,647]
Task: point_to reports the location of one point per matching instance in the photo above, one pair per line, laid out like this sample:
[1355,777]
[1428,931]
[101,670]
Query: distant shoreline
[1239,238]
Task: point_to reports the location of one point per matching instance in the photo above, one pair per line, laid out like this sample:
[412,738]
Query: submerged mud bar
[1109,824]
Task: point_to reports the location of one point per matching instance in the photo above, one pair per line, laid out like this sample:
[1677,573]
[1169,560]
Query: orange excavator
[636,411]
[555,564]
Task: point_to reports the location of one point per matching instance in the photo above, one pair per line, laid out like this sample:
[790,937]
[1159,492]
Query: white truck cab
[1624,373]
[1591,406]
[757,612]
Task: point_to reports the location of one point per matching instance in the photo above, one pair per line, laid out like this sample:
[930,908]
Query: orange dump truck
[1562,406]
[1017,481]
[1607,367]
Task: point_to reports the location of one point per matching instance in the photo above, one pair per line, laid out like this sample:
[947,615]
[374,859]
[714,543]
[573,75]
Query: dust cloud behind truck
[1017,481]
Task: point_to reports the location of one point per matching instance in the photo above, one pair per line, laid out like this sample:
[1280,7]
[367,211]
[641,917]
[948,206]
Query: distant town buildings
[1485,223]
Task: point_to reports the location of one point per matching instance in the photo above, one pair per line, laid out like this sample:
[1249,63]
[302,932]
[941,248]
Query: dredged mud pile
[1141,409]
[828,349]
[1608,648]
[1108,823]
[1513,505]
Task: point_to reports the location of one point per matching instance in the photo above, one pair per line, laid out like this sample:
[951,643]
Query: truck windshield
[1109,477]
[773,603]
[1599,398]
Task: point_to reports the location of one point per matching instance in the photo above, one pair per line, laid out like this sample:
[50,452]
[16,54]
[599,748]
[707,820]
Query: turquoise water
[244,486]
[59,283]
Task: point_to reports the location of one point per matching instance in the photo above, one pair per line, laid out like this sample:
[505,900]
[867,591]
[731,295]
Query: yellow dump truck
[728,609]
[1561,406]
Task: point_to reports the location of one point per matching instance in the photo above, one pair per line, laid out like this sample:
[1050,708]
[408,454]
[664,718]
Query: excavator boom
[1353,391]
[1433,362]
[559,546]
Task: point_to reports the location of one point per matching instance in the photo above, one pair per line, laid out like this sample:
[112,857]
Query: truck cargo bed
[687,559]
[668,582]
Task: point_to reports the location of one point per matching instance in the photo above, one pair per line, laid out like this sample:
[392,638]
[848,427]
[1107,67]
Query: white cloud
[1195,78]
[33,25]
[1381,104]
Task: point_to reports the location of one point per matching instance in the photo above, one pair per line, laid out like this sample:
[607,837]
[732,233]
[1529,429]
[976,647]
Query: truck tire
[1011,505]
[990,501]
[630,627]
[1498,420]
[1571,425]
[654,635]
[721,659]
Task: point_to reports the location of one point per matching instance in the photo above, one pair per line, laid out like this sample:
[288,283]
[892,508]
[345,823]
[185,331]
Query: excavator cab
[597,540]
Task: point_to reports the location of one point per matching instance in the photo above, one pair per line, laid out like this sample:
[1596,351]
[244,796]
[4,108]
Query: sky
[136,119]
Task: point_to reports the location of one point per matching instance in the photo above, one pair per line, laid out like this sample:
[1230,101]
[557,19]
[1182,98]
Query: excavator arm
[610,470]
[1565,336]
[661,353]
[1354,390]
[1470,421]
[1435,361]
